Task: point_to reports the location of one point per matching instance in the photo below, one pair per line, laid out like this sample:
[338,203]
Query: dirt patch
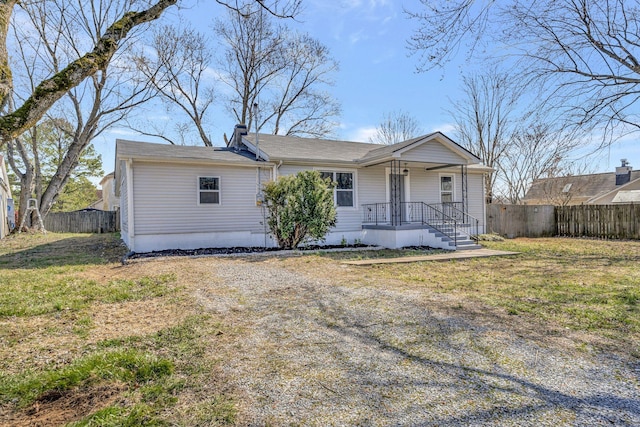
[136,318]
[56,408]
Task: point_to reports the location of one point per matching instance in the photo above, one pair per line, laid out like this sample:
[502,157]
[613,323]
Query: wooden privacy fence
[601,221]
[521,220]
[82,222]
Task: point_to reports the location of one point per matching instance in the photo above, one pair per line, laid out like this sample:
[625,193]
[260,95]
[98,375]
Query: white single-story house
[426,191]
[7,214]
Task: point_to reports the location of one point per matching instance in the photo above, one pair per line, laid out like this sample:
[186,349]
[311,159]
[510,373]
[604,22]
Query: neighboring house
[186,197]
[621,186]
[107,199]
[7,213]
[98,203]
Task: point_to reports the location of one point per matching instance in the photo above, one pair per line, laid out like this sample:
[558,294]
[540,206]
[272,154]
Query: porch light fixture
[405,171]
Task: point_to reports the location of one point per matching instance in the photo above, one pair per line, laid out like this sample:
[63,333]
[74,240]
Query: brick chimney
[623,172]
[236,139]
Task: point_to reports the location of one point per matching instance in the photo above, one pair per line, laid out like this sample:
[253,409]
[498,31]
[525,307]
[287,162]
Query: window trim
[453,186]
[219,190]
[354,178]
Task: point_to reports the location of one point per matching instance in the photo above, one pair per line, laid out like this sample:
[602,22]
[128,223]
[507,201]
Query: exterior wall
[372,186]
[166,198]
[477,207]
[432,152]
[230,239]
[425,185]
[109,200]
[400,238]
[162,201]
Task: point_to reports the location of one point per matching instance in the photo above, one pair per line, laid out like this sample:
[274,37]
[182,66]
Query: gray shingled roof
[147,150]
[583,187]
[276,148]
[288,148]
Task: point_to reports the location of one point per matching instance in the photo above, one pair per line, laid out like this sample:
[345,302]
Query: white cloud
[357,36]
[362,134]
[122,132]
[446,128]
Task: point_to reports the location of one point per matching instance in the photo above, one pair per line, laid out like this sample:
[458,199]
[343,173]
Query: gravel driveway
[314,353]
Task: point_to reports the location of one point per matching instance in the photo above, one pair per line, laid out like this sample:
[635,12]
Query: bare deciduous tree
[284,72]
[177,70]
[396,126]
[585,53]
[54,87]
[483,119]
[51,89]
[534,150]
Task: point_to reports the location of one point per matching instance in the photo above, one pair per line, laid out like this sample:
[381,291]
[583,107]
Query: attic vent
[567,188]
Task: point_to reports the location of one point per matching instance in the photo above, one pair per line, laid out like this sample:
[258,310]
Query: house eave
[594,199]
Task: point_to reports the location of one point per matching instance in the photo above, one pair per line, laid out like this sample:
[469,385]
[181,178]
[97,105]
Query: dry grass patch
[85,327]
[589,288]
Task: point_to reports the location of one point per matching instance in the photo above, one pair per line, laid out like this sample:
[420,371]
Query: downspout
[275,170]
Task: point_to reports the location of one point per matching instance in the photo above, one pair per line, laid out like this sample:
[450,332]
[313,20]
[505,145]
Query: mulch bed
[230,251]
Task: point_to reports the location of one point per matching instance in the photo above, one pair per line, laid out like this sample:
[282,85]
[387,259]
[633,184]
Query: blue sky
[377,74]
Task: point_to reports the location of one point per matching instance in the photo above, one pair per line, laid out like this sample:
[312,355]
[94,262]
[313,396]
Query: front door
[397,198]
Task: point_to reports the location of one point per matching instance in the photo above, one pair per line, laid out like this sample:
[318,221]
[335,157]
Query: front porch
[399,224]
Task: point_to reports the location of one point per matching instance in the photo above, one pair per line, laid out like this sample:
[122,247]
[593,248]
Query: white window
[208,190]
[446,188]
[343,195]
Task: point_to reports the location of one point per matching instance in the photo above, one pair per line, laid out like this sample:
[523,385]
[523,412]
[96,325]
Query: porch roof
[395,151]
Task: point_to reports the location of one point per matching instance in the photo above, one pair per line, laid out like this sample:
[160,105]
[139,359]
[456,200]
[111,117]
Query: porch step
[462,242]
[467,245]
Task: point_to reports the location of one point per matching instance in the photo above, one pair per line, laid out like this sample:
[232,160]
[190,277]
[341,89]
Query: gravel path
[318,354]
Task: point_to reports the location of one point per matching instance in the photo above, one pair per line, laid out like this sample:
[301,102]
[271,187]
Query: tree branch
[52,89]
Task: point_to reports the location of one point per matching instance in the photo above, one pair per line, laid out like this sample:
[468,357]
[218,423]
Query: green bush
[300,208]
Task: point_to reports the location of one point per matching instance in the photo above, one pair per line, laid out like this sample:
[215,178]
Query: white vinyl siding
[476,197]
[165,200]
[372,185]
[432,152]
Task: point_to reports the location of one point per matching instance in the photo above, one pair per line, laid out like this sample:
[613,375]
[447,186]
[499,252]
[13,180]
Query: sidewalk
[472,253]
